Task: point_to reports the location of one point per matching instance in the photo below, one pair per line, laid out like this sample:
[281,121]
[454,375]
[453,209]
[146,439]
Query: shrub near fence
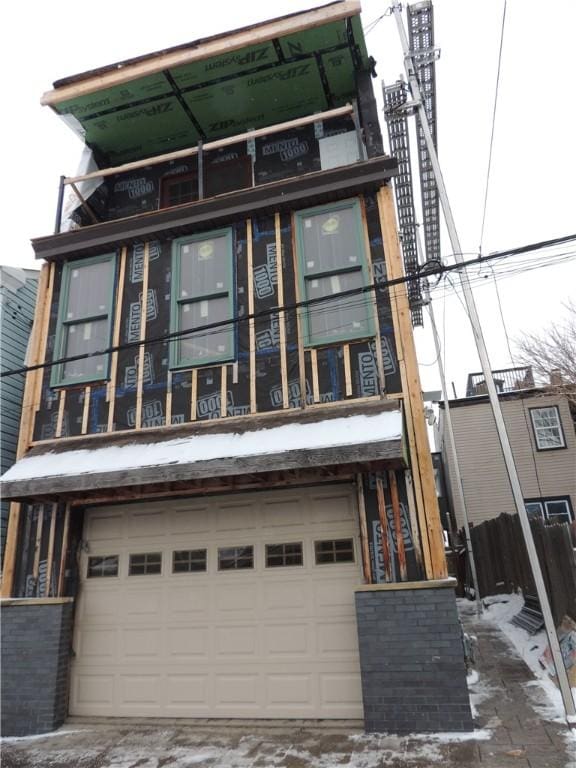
[503,566]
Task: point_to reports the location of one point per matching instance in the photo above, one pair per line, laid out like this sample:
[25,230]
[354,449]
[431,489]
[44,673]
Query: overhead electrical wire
[424,272]
[489,168]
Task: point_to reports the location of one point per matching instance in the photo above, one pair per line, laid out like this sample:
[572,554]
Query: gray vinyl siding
[17,303]
[485,480]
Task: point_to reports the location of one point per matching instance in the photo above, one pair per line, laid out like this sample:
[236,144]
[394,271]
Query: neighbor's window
[555,510]
[84,319]
[202,294]
[547,428]
[334,551]
[235,558]
[101,566]
[186,561]
[144,564]
[179,189]
[284,554]
[332,260]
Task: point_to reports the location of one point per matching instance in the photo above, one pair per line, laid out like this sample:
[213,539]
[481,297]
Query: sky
[531,194]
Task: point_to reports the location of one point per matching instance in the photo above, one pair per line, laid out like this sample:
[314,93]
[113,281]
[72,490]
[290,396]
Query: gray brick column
[412,658]
[35,659]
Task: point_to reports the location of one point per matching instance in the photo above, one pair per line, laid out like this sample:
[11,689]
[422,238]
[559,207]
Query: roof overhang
[350,436]
[218,86]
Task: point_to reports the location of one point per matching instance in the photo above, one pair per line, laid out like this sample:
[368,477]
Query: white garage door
[235,606]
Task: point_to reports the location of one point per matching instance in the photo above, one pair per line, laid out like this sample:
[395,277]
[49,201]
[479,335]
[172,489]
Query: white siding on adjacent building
[486,485]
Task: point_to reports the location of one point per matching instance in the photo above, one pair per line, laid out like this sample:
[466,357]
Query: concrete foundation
[35,658]
[412,658]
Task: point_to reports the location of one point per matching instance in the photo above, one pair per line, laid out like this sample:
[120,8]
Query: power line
[493,126]
[425,271]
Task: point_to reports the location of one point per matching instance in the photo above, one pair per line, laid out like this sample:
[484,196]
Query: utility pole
[472,311]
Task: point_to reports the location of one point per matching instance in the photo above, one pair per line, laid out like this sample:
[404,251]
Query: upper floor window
[84,320]
[332,259]
[202,294]
[547,428]
[554,510]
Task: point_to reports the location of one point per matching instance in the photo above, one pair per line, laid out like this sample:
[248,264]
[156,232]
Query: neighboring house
[540,427]
[17,301]
[227,470]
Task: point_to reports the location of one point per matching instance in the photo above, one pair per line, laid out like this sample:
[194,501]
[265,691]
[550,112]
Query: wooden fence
[503,566]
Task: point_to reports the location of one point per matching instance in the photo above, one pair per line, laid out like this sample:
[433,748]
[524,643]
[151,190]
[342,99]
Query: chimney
[556,377]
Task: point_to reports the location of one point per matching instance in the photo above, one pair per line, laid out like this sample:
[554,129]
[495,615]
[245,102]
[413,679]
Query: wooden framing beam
[251,322]
[366,560]
[393,485]
[299,320]
[111,390]
[429,516]
[61,407]
[50,555]
[218,45]
[223,391]
[373,299]
[64,552]
[347,370]
[168,416]
[383,528]
[315,382]
[193,393]
[86,409]
[142,347]
[281,314]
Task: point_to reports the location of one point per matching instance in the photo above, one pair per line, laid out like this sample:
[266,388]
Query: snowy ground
[545,695]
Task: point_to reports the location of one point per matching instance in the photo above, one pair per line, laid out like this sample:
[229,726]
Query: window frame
[545,500]
[237,558]
[560,428]
[228,355]
[189,561]
[102,575]
[303,274]
[146,563]
[334,551]
[284,554]
[57,378]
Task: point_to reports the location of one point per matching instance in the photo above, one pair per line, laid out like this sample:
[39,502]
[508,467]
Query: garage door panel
[190,519]
[268,641]
[287,640]
[188,642]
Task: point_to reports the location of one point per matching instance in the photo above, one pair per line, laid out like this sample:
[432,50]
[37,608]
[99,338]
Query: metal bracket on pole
[556,653]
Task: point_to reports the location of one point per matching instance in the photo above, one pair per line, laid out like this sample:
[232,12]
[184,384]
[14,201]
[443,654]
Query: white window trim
[538,430]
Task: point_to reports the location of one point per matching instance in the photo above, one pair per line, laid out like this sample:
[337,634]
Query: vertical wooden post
[168,419]
[224,391]
[142,347]
[38,545]
[30,404]
[393,485]
[61,407]
[301,357]
[383,528]
[421,459]
[315,383]
[366,560]
[194,394]
[281,317]
[347,370]
[111,393]
[86,409]
[50,556]
[373,299]
[64,552]
[251,324]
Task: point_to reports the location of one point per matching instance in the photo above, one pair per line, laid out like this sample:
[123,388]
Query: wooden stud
[61,406]
[224,392]
[416,538]
[111,390]
[168,419]
[30,404]
[366,560]
[393,485]
[38,544]
[281,314]
[251,322]
[374,302]
[142,347]
[64,552]
[44,326]
[347,370]
[84,203]
[383,528]
[86,409]
[50,556]
[193,394]
[431,527]
[315,383]
[299,322]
